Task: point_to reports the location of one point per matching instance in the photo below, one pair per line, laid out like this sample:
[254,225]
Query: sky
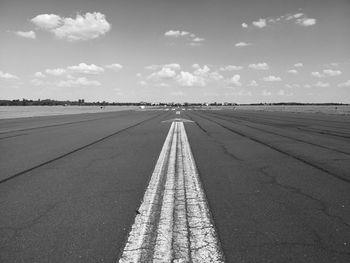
[176,51]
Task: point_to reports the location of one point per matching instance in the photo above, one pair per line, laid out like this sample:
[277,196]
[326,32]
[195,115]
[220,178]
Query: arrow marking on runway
[174,222]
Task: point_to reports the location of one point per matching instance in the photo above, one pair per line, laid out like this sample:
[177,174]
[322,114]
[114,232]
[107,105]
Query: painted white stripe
[163,247]
[181,246]
[136,246]
[204,243]
[174,224]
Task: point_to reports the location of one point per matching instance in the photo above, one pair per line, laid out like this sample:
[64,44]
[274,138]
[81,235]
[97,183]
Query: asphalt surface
[277,183]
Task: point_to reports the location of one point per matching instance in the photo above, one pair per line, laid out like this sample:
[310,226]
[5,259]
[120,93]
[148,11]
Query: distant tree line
[294,104]
[82,102]
[49,102]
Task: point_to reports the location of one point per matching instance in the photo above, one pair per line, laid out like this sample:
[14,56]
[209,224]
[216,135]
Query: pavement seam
[75,150]
[316,166]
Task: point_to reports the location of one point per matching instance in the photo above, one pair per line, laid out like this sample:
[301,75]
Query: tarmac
[277,184]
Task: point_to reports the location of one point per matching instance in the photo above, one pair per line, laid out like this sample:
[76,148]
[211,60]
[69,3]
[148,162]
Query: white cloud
[215,76]
[298,65]
[206,74]
[321,84]
[82,27]
[332,64]
[242,44]
[39,75]
[298,15]
[260,23]
[86,69]
[189,80]
[90,26]
[81,68]
[139,75]
[331,72]
[293,71]
[173,66]
[78,82]
[235,80]
[28,34]
[344,84]
[192,38]
[198,39]
[231,68]
[5,75]
[115,66]
[200,76]
[259,66]
[290,17]
[307,86]
[317,74]
[202,71]
[164,73]
[298,18]
[272,79]
[253,83]
[306,21]
[47,21]
[176,33]
[56,72]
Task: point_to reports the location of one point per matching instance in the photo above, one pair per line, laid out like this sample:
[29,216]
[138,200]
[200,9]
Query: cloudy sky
[184,50]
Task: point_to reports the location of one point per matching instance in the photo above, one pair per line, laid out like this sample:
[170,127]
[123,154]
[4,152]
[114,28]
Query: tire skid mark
[316,166]
[338,134]
[277,118]
[12,136]
[76,150]
[329,133]
[56,124]
[52,125]
[288,137]
[221,145]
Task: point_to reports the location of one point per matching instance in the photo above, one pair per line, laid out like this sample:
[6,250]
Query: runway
[276,185]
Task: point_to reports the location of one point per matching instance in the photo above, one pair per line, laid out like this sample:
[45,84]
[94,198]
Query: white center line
[174,224]
[163,247]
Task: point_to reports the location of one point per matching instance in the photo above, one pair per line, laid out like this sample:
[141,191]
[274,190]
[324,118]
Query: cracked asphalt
[277,183]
